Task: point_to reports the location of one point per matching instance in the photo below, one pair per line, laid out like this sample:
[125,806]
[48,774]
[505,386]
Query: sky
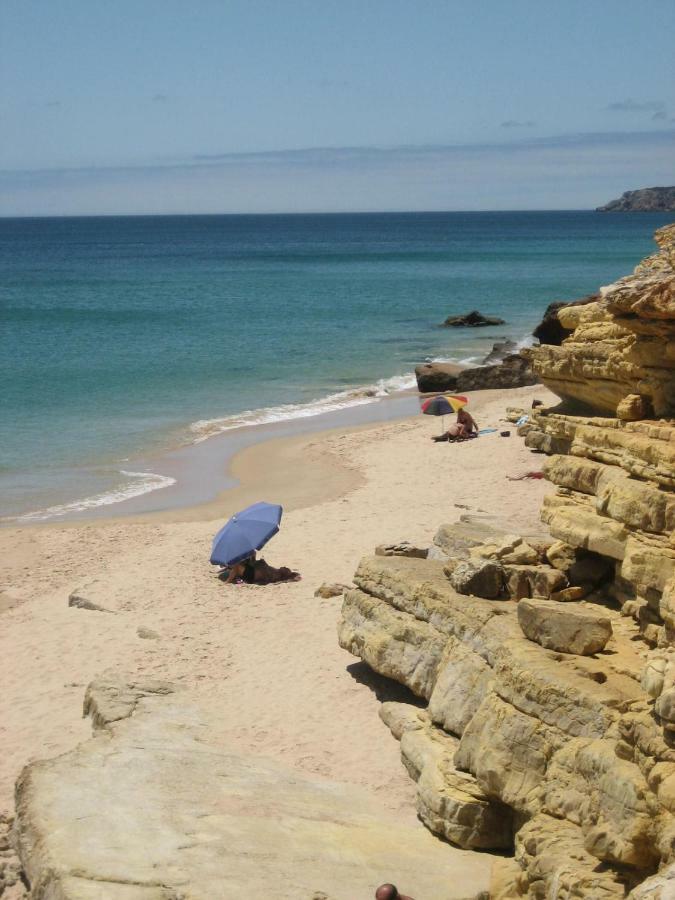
[170,106]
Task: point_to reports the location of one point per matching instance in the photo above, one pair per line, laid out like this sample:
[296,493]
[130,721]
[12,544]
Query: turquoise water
[121,336]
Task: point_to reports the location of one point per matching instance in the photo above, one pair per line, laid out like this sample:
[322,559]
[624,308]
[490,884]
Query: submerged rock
[472,319]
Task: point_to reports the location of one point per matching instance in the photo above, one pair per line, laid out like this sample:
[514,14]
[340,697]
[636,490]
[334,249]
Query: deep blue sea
[123,335]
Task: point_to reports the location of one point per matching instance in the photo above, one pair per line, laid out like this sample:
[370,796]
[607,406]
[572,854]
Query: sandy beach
[266,657]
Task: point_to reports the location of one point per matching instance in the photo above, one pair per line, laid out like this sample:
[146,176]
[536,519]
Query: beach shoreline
[267,658]
[134,597]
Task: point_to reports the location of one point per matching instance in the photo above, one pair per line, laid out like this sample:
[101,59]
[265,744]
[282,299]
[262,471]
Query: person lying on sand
[389,892]
[256,571]
[465,427]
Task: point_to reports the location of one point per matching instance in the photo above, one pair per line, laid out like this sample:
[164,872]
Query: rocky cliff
[544,666]
[620,356]
[655,199]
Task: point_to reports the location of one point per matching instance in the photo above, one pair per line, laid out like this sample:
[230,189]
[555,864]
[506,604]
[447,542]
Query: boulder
[514,371]
[401,548]
[482,578]
[634,407]
[436,377]
[532,581]
[472,319]
[330,589]
[567,628]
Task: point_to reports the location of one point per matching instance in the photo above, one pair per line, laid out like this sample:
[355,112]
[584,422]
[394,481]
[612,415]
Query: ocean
[123,337]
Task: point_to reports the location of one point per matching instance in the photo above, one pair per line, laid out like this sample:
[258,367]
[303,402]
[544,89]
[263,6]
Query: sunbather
[256,571]
[465,427]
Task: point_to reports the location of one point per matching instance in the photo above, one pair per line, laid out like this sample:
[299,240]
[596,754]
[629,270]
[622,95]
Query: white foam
[144,483]
[206,428]
[526,342]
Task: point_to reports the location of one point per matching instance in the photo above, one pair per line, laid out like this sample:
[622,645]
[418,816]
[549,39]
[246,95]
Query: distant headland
[654,199]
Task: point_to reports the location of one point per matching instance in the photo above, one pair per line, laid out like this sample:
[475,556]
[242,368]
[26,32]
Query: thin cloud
[374,157]
[571,171]
[52,104]
[659,116]
[514,123]
[160,98]
[629,106]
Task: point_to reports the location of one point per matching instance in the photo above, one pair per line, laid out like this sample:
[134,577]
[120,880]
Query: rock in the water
[153,808]
[500,350]
[436,377]
[473,319]
[514,371]
[479,577]
[567,628]
[328,590]
[401,548]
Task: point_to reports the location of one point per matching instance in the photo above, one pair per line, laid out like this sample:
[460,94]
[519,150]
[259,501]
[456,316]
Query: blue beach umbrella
[245,532]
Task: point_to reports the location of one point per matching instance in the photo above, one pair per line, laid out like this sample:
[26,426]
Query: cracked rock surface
[154,808]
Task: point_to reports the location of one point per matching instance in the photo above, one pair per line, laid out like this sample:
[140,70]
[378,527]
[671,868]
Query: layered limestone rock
[154,808]
[512,732]
[623,345]
[546,666]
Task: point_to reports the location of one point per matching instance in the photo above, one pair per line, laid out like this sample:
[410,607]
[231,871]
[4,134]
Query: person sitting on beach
[238,573]
[465,427]
[389,892]
[256,571]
